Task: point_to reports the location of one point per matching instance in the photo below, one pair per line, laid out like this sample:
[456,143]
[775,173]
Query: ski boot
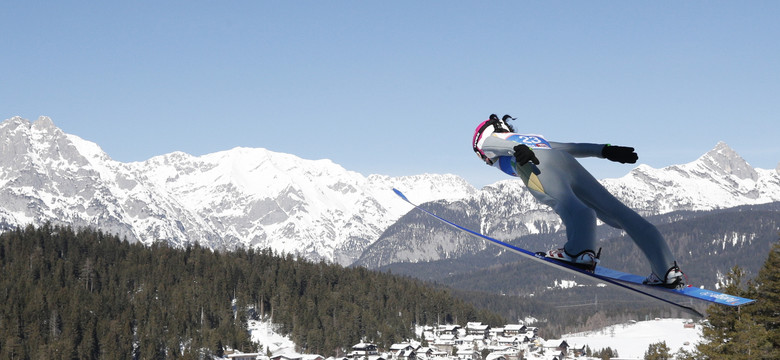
[673,279]
[586,260]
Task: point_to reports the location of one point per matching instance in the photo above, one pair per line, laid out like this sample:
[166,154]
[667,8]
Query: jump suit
[575,195]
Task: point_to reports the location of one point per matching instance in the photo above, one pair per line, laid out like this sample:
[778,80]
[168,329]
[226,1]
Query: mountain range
[315,209]
[506,210]
[236,198]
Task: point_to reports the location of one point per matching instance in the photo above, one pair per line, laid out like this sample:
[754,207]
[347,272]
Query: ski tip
[400,194]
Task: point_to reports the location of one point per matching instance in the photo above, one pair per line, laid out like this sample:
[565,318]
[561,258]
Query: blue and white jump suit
[577,197]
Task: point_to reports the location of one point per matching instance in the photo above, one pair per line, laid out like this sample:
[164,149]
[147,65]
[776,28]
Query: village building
[445,343]
[511,353]
[403,351]
[579,351]
[401,347]
[364,351]
[448,330]
[472,341]
[243,356]
[408,354]
[514,329]
[496,332]
[508,341]
[428,352]
[466,354]
[477,329]
[558,347]
[287,357]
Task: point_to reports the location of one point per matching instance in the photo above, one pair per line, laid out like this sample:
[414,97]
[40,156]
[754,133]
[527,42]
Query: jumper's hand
[620,154]
[524,154]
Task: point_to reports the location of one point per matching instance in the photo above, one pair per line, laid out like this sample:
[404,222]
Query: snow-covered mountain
[506,210]
[314,208]
[240,197]
[718,179]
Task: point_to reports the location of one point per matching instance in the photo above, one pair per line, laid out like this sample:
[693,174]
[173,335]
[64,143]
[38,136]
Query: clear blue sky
[397,87]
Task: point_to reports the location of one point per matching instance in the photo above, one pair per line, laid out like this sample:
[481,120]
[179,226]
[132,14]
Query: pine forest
[83,294]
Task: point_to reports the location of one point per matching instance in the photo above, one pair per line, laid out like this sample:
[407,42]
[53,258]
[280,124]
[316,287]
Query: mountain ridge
[234,198]
[506,210]
[254,197]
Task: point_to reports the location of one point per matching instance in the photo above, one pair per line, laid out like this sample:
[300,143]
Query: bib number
[532,141]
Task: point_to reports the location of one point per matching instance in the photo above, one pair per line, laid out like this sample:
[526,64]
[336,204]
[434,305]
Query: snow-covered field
[631,340]
[263,333]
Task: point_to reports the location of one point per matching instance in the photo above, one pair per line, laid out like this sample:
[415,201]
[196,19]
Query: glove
[619,154]
[524,154]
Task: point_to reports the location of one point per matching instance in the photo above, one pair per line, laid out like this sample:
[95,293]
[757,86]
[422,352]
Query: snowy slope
[263,332]
[718,179]
[632,340]
[240,197]
[316,208]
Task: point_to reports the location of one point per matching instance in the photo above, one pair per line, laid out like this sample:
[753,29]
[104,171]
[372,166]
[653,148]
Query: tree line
[748,332]
[751,331]
[84,294]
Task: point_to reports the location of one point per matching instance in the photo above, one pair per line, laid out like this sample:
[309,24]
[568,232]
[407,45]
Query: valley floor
[630,340]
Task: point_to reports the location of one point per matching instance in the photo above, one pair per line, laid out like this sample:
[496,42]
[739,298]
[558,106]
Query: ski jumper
[576,196]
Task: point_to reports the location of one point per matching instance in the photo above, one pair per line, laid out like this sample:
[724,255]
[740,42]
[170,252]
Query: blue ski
[618,278]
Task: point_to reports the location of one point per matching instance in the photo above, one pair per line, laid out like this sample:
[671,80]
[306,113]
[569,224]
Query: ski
[618,278]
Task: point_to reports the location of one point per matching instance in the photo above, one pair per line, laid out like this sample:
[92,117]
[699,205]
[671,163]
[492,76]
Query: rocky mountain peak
[21,126]
[31,145]
[45,123]
[724,160]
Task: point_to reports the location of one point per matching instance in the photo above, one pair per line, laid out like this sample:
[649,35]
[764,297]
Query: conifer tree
[766,310]
[720,329]
[750,331]
[606,353]
[658,351]
[751,340]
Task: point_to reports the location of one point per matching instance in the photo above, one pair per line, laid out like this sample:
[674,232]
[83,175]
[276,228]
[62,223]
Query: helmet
[489,126]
